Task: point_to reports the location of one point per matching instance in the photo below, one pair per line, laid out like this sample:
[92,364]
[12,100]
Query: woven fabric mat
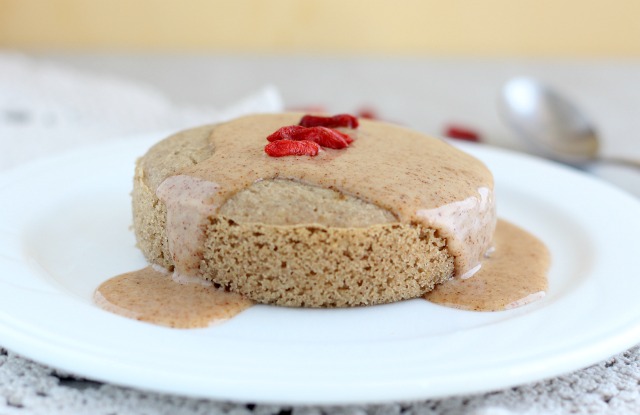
[46,108]
[609,387]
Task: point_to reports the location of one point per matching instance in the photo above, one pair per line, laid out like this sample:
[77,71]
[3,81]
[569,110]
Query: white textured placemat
[610,387]
[46,108]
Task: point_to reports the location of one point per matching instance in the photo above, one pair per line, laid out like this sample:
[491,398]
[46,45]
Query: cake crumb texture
[319,266]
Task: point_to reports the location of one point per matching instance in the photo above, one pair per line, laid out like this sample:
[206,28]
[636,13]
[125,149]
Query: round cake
[382,220]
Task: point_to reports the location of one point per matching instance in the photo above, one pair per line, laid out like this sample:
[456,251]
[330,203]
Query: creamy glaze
[186,199]
[154,296]
[425,181]
[456,220]
[513,275]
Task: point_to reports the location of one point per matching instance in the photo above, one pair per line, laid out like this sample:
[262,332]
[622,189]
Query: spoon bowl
[548,122]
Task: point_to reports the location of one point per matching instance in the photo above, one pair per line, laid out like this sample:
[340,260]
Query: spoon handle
[621,162]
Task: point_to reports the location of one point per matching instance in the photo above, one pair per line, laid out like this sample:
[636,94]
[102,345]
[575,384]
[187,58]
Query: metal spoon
[552,124]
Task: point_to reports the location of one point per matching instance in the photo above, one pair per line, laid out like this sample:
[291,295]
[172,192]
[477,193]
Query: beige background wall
[591,28]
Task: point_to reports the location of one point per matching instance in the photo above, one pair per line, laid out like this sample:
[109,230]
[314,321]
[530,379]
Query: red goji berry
[327,137]
[281,148]
[290,132]
[340,120]
[324,136]
[368,113]
[461,133]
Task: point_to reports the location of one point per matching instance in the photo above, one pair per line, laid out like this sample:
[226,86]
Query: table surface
[423,93]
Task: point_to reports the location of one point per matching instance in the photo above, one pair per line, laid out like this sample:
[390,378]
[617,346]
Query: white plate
[64,228]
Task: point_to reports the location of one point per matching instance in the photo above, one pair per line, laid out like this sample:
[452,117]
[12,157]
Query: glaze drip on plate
[513,275]
[153,296]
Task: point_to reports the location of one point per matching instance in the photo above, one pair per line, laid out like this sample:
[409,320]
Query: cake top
[418,179]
